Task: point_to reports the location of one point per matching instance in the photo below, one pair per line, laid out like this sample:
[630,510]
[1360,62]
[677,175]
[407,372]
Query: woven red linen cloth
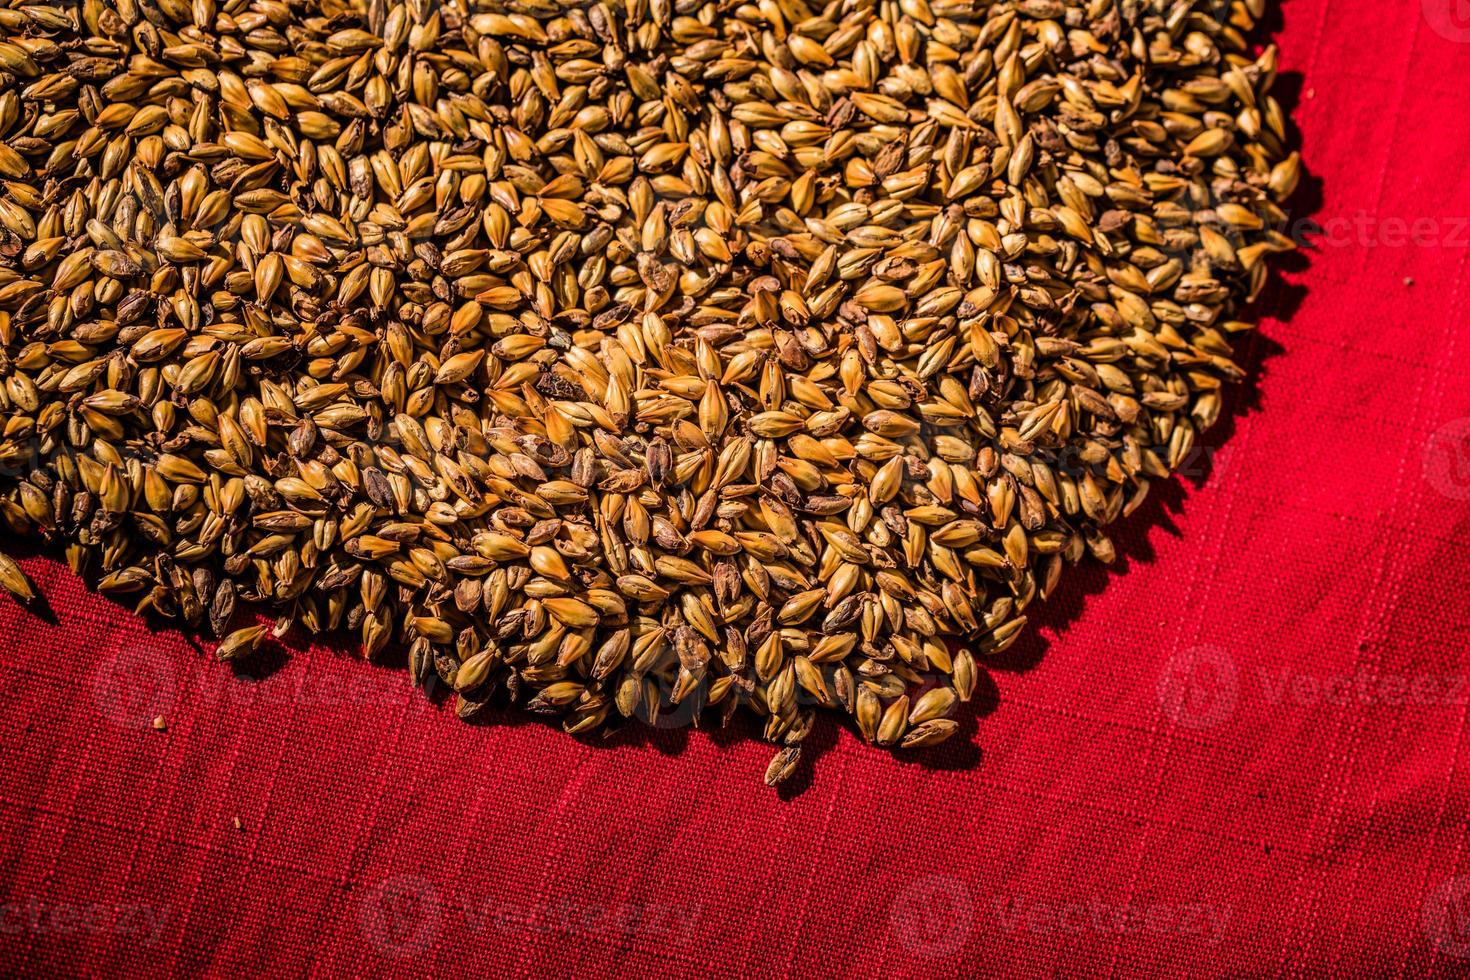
[1240,753]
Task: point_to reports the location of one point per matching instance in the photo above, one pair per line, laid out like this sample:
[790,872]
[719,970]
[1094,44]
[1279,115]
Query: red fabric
[1244,754]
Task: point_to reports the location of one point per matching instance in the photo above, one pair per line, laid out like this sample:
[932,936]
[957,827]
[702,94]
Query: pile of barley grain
[630,358]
